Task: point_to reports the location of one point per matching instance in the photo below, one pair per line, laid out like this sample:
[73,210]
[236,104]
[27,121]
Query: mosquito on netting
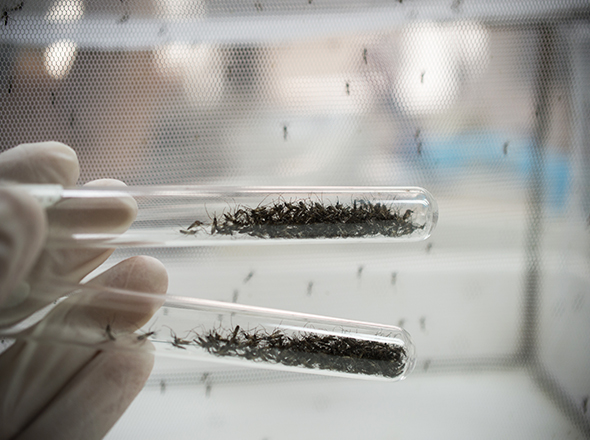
[5,16]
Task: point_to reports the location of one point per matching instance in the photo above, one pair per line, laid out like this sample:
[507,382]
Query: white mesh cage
[485,104]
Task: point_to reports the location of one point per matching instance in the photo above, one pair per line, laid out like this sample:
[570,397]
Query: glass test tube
[212,215]
[237,334]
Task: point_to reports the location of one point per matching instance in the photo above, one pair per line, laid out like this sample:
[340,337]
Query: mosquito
[5,12]
[192,229]
[178,342]
[249,276]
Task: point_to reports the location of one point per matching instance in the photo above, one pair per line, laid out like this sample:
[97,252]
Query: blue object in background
[457,155]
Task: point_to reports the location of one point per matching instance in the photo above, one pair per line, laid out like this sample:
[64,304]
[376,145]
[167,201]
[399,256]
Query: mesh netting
[485,105]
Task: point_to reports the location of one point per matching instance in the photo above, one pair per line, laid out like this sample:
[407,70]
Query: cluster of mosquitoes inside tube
[310,219]
[307,349]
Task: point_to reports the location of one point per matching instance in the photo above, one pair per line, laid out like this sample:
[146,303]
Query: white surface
[459,406]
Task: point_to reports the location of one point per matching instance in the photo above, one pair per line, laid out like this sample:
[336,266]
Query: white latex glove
[54,390]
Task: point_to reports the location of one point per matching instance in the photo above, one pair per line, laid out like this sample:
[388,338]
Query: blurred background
[484,104]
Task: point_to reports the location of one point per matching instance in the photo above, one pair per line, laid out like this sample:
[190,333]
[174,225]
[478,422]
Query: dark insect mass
[309,350]
[308,219]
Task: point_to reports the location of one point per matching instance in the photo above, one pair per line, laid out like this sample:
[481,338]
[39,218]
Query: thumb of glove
[22,235]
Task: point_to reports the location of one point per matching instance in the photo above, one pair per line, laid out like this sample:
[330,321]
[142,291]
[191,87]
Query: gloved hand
[50,389]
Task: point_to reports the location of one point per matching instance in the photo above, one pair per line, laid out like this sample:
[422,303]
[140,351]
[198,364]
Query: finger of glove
[84,388]
[22,235]
[45,162]
[71,265]
[54,162]
[111,215]
[92,402]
